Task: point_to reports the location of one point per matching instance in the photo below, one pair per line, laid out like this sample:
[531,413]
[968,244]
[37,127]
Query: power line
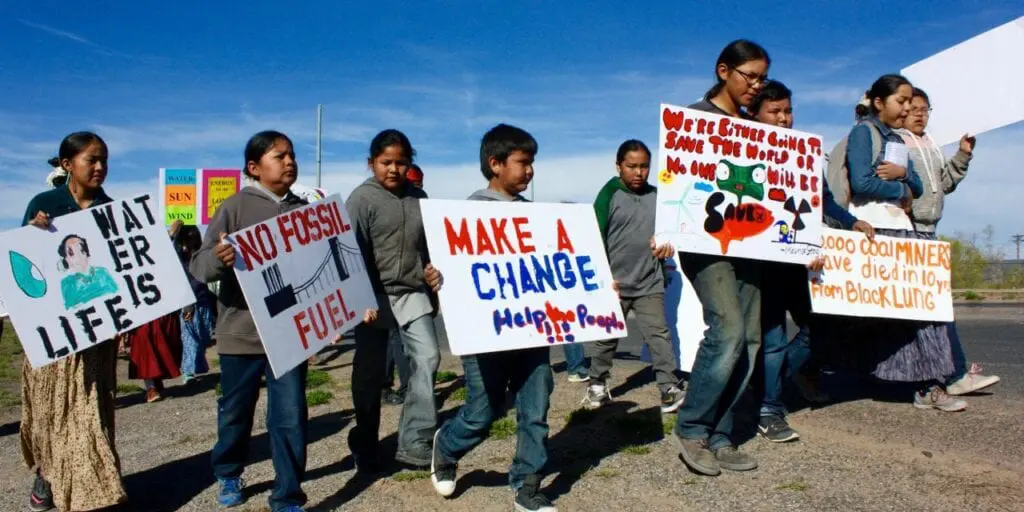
[1017,239]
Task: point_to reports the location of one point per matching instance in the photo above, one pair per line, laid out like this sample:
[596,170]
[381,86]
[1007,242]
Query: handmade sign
[888,278]
[178,197]
[304,279]
[520,275]
[728,186]
[217,185]
[95,274]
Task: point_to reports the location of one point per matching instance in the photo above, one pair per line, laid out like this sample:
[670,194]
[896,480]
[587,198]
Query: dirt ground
[876,453]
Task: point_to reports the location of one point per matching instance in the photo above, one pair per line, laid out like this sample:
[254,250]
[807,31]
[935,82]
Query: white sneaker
[937,398]
[971,382]
[573,377]
[597,395]
[442,474]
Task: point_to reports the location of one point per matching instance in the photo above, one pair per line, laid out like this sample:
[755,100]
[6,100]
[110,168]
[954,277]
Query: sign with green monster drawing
[735,187]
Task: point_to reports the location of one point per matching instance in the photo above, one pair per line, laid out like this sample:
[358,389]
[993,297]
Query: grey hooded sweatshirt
[938,175]
[235,331]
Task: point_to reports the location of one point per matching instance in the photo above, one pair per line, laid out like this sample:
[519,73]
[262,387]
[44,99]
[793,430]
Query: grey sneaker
[730,458]
[971,382]
[937,398]
[696,455]
[529,499]
[776,429]
[597,395]
[671,399]
[418,455]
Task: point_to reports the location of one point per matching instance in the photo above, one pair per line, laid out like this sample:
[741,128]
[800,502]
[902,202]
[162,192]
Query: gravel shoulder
[876,453]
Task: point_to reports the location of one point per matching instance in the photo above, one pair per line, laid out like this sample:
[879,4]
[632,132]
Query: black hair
[861,111]
[63,252]
[499,142]
[388,138]
[53,162]
[919,93]
[188,239]
[75,143]
[885,86]
[773,90]
[630,145]
[736,54]
[258,146]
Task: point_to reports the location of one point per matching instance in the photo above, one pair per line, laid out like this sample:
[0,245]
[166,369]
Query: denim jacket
[873,199]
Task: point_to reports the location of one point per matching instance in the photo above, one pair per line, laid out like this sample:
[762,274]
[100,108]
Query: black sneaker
[392,397]
[41,498]
[529,499]
[417,455]
[442,473]
[776,430]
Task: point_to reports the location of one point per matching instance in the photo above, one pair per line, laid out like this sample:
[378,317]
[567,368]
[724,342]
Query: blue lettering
[544,273]
[508,279]
[502,319]
[527,281]
[586,274]
[563,269]
[476,268]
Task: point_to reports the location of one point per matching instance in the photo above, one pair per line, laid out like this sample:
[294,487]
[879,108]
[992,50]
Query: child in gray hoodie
[385,211]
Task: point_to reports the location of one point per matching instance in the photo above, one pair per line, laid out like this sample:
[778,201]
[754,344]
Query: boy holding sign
[506,160]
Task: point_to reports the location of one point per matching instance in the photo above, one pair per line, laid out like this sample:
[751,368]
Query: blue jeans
[728,289]
[287,423]
[195,337]
[419,410]
[784,289]
[575,361]
[959,358]
[527,373]
[396,360]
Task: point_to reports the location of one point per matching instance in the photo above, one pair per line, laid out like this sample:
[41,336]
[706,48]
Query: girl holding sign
[729,290]
[67,411]
[883,185]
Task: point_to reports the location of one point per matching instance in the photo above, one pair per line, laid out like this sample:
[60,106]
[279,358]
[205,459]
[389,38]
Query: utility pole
[1018,239]
[319,140]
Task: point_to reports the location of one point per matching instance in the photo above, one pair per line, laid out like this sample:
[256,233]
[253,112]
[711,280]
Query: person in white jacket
[940,177]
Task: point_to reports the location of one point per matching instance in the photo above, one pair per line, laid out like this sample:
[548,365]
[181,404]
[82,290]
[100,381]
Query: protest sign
[728,186]
[520,275]
[304,279]
[953,77]
[217,185]
[887,278]
[178,197]
[95,274]
[684,316]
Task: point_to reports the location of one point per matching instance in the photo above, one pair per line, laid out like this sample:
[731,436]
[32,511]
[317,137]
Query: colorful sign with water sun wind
[178,196]
[733,187]
[520,275]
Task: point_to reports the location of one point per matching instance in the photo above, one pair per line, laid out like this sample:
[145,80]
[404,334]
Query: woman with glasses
[940,177]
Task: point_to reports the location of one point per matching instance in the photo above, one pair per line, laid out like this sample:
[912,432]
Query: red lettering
[333,312]
[458,240]
[803,183]
[247,246]
[674,166]
[302,327]
[563,239]
[342,227]
[315,231]
[773,176]
[672,120]
[724,146]
[286,231]
[523,236]
[483,241]
[301,229]
[814,184]
[815,145]
[559,317]
[349,315]
[500,237]
[705,171]
[323,213]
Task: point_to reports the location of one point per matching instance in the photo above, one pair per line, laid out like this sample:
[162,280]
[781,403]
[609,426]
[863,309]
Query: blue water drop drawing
[27,275]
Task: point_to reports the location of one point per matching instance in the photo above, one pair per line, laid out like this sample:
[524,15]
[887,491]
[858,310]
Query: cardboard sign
[304,279]
[217,185]
[95,274]
[888,278]
[178,196]
[732,187]
[520,275]
[953,77]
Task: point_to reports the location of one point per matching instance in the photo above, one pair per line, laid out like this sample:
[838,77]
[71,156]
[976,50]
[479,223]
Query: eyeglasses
[752,79]
[921,110]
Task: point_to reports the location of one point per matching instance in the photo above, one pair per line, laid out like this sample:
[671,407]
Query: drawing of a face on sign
[83,282]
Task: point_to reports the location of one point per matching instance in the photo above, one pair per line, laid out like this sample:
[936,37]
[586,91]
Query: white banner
[888,278]
[520,275]
[304,278]
[93,275]
[739,188]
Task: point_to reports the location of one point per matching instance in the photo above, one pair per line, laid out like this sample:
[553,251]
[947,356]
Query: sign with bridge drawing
[304,279]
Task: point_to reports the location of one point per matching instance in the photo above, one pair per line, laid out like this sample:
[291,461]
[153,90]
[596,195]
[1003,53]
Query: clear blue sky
[183,84]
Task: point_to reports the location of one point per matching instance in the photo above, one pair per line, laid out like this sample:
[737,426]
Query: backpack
[837,174]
